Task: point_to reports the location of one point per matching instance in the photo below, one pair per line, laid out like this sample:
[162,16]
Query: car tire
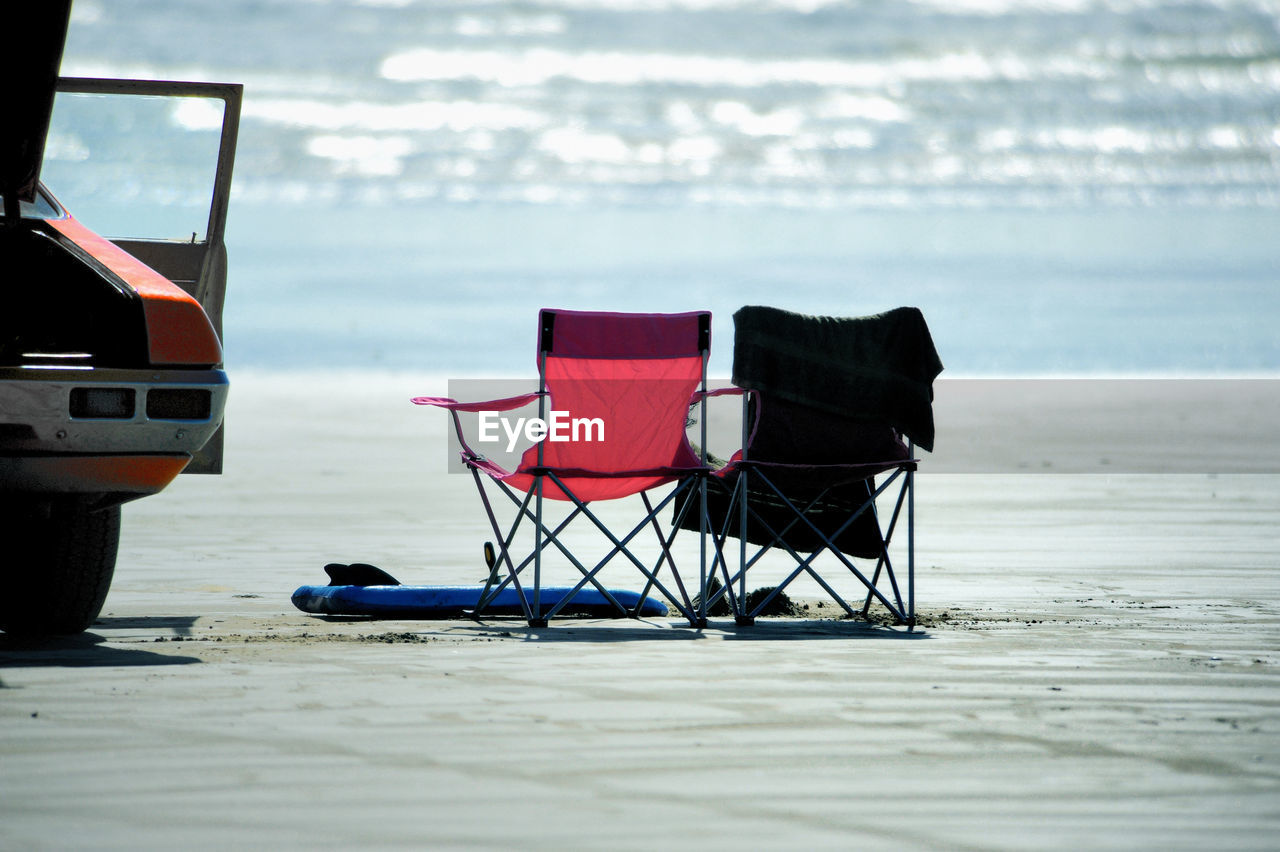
[56,565]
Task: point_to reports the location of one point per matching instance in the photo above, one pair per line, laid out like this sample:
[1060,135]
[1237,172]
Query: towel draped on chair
[876,368]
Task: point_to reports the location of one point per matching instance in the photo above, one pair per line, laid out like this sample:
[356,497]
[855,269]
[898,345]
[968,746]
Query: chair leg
[620,546]
[911,550]
[882,562]
[720,562]
[828,544]
[529,507]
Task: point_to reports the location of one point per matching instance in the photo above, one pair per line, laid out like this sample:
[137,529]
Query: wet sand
[1098,667]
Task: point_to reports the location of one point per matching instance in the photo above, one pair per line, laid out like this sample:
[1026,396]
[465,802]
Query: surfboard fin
[358,574]
[491,561]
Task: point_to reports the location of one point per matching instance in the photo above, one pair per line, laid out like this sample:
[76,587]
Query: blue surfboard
[424,602]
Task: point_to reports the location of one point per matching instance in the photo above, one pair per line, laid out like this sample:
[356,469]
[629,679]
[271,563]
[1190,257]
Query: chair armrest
[453,407]
[504,404]
[733,390]
[729,391]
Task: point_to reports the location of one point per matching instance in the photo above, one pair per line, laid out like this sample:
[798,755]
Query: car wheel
[56,565]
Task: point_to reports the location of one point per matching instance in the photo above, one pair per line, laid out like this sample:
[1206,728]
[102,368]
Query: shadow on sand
[181,625]
[628,630]
[88,650]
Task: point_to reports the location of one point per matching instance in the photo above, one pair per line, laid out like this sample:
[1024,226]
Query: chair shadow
[87,650]
[642,630]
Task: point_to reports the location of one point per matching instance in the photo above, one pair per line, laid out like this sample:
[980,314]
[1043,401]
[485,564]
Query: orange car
[111,379]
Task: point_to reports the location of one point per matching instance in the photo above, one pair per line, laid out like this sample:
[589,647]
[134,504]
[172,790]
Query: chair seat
[588,485]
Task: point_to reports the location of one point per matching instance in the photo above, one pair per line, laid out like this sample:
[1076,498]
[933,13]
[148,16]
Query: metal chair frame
[739,499]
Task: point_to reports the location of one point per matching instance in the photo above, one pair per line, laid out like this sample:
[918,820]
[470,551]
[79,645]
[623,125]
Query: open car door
[194,261]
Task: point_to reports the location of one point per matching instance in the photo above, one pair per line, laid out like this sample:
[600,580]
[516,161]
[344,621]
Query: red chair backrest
[629,375]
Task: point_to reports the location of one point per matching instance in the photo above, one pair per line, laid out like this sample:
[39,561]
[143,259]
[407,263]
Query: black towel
[878,368]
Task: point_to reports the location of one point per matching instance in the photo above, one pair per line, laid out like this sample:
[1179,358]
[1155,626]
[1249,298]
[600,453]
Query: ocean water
[1065,187]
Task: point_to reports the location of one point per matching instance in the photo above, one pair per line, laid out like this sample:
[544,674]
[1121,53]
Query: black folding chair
[828,401]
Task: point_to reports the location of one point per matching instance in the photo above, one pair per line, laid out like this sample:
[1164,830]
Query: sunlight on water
[1062,185]
[795,102]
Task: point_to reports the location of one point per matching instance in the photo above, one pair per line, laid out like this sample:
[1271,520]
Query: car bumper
[126,432]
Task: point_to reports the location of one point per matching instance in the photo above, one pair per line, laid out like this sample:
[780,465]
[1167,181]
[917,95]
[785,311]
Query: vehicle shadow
[180,624]
[80,651]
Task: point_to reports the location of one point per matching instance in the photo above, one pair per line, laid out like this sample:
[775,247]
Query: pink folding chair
[629,379]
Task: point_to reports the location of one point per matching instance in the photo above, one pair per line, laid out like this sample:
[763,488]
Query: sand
[1099,667]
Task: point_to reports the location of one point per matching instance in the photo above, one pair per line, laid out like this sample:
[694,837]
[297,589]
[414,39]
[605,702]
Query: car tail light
[179,404]
[102,403]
